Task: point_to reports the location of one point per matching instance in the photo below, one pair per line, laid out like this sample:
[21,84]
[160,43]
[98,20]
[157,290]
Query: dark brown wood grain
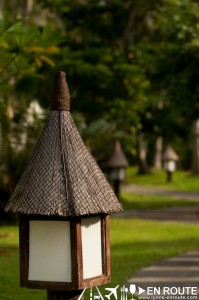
[76,253]
[79,255]
[103,238]
[107,242]
[95,281]
[23,249]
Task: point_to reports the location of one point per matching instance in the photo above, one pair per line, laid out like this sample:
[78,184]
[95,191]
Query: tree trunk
[158,153]
[142,154]
[1,9]
[28,8]
[195,160]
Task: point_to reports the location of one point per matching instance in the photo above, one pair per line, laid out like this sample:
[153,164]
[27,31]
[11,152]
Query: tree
[170,59]
[106,81]
[25,52]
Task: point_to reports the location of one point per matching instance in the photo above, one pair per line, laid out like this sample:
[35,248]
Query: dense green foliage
[125,57]
[131,68]
[171,59]
[106,83]
[24,52]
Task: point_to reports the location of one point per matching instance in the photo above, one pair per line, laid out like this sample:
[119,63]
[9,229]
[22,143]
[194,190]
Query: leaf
[35,49]
[52,50]
[4,45]
[28,71]
[47,60]
[38,62]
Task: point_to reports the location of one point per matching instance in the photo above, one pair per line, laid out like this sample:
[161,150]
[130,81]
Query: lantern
[64,202]
[117,164]
[170,158]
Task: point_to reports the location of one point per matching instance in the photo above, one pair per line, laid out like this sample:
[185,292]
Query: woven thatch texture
[62,177]
[61,95]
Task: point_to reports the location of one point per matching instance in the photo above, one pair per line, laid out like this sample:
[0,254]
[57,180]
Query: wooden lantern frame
[62,182]
[77,280]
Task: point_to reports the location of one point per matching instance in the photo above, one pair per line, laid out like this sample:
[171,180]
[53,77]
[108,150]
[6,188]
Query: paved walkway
[181,271]
[177,272]
[162,192]
[188,214]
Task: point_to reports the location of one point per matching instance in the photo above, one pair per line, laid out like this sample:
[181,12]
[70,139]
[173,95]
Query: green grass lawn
[139,201]
[9,268]
[181,180]
[138,243]
[134,244]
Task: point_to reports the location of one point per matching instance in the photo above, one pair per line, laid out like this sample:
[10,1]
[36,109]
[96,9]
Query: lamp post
[170,158]
[63,201]
[117,163]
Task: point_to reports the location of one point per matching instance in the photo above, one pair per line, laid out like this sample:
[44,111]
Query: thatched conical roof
[62,178]
[170,154]
[117,159]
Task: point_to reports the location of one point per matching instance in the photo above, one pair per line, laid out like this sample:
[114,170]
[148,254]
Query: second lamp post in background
[170,158]
[117,164]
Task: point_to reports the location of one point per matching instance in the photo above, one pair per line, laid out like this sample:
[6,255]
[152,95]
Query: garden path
[174,273]
[137,189]
[188,214]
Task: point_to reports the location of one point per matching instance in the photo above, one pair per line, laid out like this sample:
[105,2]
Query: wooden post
[64,295]
[117,188]
[169,176]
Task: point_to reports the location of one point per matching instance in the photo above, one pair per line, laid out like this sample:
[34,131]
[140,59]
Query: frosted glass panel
[50,251]
[91,247]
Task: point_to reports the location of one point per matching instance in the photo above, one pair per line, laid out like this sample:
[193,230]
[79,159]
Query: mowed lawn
[134,244]
[183,181]
[141,202]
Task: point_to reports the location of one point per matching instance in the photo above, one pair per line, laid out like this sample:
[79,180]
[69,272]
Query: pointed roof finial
[61,95]
[62,178]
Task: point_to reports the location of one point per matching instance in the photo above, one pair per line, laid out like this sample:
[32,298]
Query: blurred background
[132,70]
